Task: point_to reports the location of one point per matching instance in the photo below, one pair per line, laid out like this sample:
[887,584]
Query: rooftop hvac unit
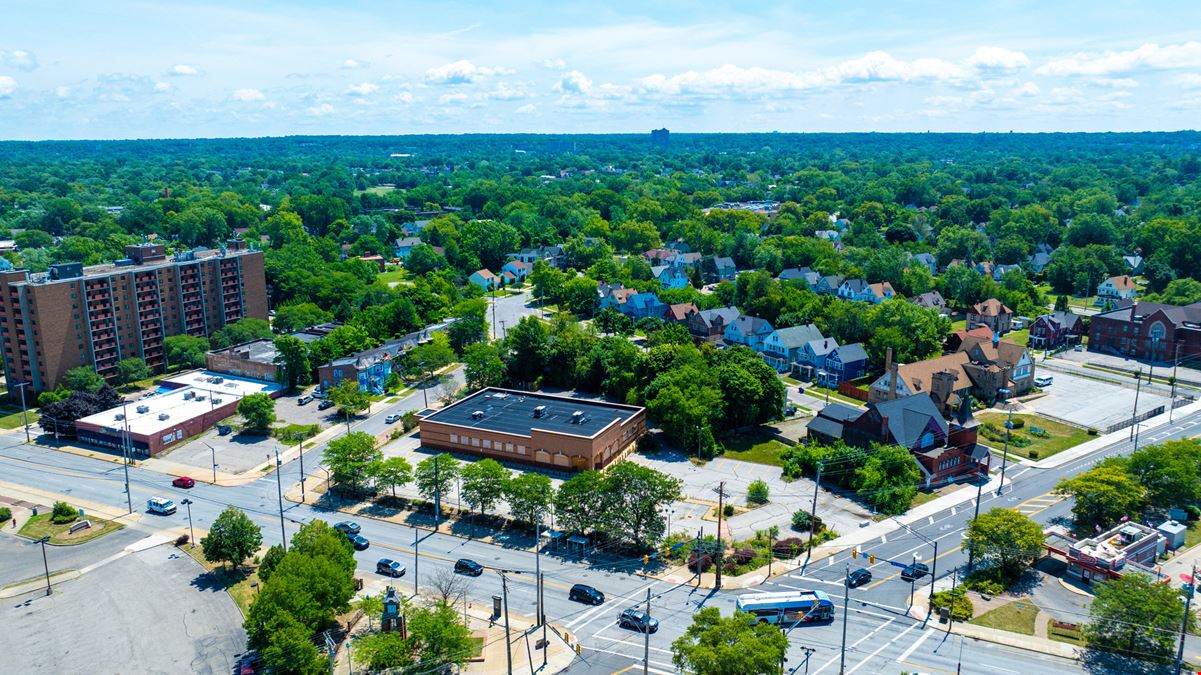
[477,415]
[143,409]
[120,416]
[216,400]
[540,411]
[188,396]
[199,398]
[163,416]
[577,417]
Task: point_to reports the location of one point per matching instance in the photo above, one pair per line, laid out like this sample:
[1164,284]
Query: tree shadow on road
[1103,663]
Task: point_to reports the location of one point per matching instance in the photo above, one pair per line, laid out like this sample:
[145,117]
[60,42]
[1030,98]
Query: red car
[183,482]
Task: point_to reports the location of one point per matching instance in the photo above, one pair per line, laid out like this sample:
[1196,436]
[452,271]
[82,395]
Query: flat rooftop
[510,411]
[257,351]
[104,269]
[183,403]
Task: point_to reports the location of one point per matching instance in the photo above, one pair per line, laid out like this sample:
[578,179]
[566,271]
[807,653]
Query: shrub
[1194,513]
[63,513]
[957,600]
[5,514]
[647,443]
[1038,432]
[1018,423]
[801,521]
[789,547]
[409,421]
[181,540]
[743,556]
[728,510]
[757,492]
[987,580]
[1092,432]
[706,561]
[1033,454]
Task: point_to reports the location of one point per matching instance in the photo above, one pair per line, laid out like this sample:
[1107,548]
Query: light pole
[214,451]
[45,564]
[502,329]
[1005,456]
[300,437]
[279,488]
[24,412]
[933,561]
[125,453]
[1138,386]
[191,535]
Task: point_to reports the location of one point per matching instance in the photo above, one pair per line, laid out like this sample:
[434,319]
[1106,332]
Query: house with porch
[679,313]
[404,246]
[782,349]
[812,360]
[485,279]
[991,313]
[749,331]
[931,300]
[1056,329]
[520,270]
[881,292]
[1117,288]
[671,276]
[643,306]
[710,325]
[843,363]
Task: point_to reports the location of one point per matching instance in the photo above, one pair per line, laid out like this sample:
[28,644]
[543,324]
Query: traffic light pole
[817,484]
[846,600]
[1188,608]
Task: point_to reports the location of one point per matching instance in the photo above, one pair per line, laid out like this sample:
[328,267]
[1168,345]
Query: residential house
[710,324]
[987,369]
[659,256]
[985,268]
[926,260]
[812,361]
[795,273]
[717,269]
[750,331]
[992,313]
[931,300]
[404,246]
[828,425]
[999,271]
[371,368]
[688,259]
[1148,331]
[551,255]
[520,270]
[854,289]
[678,245]
[956,339]
[643,306]
[1134,264]
[828,285]
[1041,257]
[414,227]
[828,235]
[377,260]
[1056,329]
[671,276]
[843,364]
[1117,288]
[484,279]
[782,349]
[679,312]
[616,298]
[881,292]
[507,278]
[998,368]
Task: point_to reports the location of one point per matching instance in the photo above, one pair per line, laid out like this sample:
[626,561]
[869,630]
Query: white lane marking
[881,648]
[930,520]
[593,614]
[883,539]
[953,511]
[830,561]
[622,640]
[913,647]
[639,661]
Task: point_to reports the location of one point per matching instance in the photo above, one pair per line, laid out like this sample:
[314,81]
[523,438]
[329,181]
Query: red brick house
[992,313]
[1056,329]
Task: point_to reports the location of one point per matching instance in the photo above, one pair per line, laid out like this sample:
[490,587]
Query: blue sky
[163,68]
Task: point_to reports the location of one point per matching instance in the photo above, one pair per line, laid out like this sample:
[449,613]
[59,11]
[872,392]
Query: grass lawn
[241,583]
[477,647]
[12,420]
[1192,536]
[377,190]
[40,526]
[923,497]
[792,380]
[1060,436]
[288,434]
[1068,635]
[959,325]
[1021,337]
[1010,617]
[821,392]
[394,274]
[757,448]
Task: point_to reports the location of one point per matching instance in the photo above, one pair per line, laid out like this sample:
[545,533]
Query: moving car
[636,619]
[586,594]
[392,419]
[389,567]
[348,527]
[163,506]
[250,664]
[325,404]
[1043,381]
[915,571]
[184,482]
[858,577]
[469,567]
[359,542]
[304,400]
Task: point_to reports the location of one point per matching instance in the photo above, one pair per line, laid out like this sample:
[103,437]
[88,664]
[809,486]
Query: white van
[160,505]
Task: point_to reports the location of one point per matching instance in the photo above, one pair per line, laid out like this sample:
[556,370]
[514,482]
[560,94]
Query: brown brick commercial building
[1148,331]
[556,432]
[96,316]
[254,359]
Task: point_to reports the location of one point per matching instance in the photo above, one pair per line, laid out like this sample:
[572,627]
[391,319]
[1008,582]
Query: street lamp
[279,487]
[45,564]
[300,437]
[191,534]
[933,561]
[1005,456]
[214,451]
[125,453]
[24,411]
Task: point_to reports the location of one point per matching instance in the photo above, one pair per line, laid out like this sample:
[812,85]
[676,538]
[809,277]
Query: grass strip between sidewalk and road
[1015,617]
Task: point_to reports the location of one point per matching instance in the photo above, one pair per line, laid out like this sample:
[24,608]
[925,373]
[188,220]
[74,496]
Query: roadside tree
[1007,540]
[258,412]
[1103,496]
[232,539]
[435,476]
[484,484]
[530,496]
[391,473]
[350,399]
[349,459]
[729,645]
[1136,615]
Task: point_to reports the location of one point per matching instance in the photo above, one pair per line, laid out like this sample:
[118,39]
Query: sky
[172,69]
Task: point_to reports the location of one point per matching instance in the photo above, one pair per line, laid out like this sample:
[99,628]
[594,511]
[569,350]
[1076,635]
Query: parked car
[325,404]
[318,393]
[359,542]
[184,482]
[469,567]
[223,429]
[389,567]
[1043,381]
[392,419]
[915,571]
[250,663]
[348,527]
[636,619]
[858,577]
[163,506]
[304,400]
[586,594]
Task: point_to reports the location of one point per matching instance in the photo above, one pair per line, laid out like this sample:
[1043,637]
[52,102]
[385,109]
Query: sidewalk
[1089,447]
[1031,643]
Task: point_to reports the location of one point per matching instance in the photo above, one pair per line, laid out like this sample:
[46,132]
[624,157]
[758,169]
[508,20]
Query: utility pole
[1188,608]
[846,600]
[25,412]
[1175,365]
[817,483]
[808,652]
[699,555]
[971,553]
[437,493]
[416,559]
[279,489]
[538,566]
[1138,385]
[504,585]
[302,494]
[45,564]
[331,649]
[542,616]
[933,574]
[721,494]
[1005,456]
[191,535]
[646,636]
[126,451]
[951,620]
[214,452]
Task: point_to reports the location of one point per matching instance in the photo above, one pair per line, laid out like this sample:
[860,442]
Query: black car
[359,542]
[325,404]
[859,577]
[636,619]
[348,527]
[586,594]
[915,571]
[469,567]
[389,567]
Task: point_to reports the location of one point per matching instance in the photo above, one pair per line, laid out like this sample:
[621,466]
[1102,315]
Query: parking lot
[1091,403]
[147,612]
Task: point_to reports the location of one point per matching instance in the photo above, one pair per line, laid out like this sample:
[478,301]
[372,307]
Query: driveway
[21,559]
[1090,403]
[147,612]
[508,310]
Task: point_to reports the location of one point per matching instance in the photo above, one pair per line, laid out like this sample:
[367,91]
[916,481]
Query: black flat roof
[512,412]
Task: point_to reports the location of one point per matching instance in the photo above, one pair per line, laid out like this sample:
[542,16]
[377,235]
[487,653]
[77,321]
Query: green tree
[391,473]
[439,635]
[1171,471]
[290,649]
[530,496]
[185,351]
[349,459]
[271,558]
[383,651]
[132,369]
[733,645]
[1136,615]
[632,501]
[83,378]
[310,589]
[292,359]
[578,502]
[1103,495]
[349,398]
[1007,540]
[888,479]
[757,493]
[318,539]
[237,332]
[484,483]
[434,355]
[232,539]
[258,412]
[435,475]
[527,346]
[483,366]
[301,315]
[1061,303]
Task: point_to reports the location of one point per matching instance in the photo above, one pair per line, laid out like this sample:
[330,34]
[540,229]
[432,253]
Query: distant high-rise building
[660,138]
[96,316]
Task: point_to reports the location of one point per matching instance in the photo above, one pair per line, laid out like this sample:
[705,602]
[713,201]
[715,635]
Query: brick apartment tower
[75,316]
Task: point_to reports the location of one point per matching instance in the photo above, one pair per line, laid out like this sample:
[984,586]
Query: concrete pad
[1091,403]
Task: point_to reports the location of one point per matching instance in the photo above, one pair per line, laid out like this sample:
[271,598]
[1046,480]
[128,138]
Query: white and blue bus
[792,607]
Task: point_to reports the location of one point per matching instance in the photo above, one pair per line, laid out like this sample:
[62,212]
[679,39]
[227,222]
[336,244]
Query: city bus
[792,607]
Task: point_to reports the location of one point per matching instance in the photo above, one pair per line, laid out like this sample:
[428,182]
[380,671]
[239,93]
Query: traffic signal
[645,559]
[872,558]
[854,553]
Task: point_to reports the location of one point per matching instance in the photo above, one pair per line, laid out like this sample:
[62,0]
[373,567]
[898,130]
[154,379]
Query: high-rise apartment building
[96,316]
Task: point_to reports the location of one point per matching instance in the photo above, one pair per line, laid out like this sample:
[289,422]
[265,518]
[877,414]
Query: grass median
[39,526]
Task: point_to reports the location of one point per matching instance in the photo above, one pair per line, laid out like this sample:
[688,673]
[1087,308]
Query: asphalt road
[880,636]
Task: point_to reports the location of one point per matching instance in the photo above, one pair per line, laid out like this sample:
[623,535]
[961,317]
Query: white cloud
[1188,81]
[1027,89]
[321,110]
[62,92]
[573,82]
[182,70]
[247,95]
[162,87]
[20,59]
[404,97]
[7,86]
[554,64]
[504,92]
[527,109]
[997,59]
[352,64]
[1114,82]
[447,99]
[883,67]
[364,89]
[462,72]
[1147,56]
